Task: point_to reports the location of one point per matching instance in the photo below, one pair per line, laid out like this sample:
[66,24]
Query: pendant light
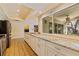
[67,19]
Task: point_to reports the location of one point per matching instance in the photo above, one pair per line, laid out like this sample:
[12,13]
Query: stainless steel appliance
[2,43]
[0,47]
[5,29]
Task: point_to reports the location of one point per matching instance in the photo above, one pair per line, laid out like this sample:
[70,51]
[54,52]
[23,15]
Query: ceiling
[25,10]
[67,11]
[36,6]
[16,11]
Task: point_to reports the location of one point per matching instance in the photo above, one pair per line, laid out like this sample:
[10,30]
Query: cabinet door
[60,50]
[42,47]
[49,50]
[31,41]
[52,50]
[34,43]
[37,46]
[67,51]
[26,38]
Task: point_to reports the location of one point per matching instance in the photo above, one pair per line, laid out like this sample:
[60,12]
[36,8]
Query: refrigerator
[5,32]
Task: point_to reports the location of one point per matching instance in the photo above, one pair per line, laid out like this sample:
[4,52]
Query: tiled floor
[19,48]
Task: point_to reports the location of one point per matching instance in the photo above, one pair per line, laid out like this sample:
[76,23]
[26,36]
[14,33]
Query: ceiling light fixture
[18,10]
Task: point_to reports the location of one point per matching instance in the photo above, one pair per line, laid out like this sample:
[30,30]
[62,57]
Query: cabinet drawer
[62,50]
[67,51]
[51,50]
[42,47]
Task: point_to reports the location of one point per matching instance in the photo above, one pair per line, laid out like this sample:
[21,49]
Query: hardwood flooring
[19,47]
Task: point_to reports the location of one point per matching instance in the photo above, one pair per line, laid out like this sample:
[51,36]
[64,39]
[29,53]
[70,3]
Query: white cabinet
[26,38]
[46,48]
[41,47]
[37,48]
[33,43]
[51,50]
[58,50]
[67,51]
[38,45]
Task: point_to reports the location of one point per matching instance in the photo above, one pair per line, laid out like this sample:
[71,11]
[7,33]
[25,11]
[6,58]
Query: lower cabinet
[33,43]
[58,50]
[0,47]
[46,48]
[51,50]
[41,47]
[38,45]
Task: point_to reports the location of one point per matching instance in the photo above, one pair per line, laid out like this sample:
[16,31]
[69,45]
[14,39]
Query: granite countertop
[69,41]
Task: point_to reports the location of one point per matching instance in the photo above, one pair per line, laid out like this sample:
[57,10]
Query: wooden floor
[19,48]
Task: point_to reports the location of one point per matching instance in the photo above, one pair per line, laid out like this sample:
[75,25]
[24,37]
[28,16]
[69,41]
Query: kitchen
[47,31]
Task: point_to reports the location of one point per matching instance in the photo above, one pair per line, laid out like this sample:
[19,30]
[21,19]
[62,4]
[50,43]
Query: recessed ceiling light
[18,10]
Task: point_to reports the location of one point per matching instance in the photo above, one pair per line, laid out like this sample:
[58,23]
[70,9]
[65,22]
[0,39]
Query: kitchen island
[53,44]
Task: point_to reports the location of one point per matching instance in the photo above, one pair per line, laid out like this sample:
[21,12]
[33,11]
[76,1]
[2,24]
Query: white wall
[17,30]
[3,16]
[31,22]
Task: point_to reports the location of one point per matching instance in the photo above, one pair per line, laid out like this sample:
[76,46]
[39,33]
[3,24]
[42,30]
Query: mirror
[66,21]
[47,24]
